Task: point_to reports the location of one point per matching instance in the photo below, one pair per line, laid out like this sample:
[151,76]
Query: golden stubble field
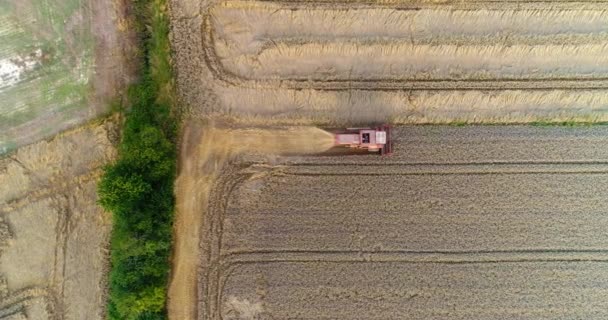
[461,223]
[408,61]
[53,235]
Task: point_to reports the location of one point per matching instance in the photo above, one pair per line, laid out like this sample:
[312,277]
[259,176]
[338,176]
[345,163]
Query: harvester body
[376,139]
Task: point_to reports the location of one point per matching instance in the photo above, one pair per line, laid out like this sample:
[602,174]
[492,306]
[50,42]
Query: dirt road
[205,151]
[461,223]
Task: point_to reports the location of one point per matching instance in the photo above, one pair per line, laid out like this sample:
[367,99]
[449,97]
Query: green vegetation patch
[46,63]
[138,187]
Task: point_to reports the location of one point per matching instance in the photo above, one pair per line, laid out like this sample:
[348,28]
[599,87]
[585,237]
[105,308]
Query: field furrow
[364,106]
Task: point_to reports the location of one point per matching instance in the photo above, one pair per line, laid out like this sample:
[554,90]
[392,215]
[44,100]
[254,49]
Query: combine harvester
[376,139]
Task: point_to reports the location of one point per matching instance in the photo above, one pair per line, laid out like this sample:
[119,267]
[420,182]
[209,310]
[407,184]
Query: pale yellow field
[53,235]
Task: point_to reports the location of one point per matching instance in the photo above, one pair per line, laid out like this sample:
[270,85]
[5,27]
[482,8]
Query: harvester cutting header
[376,139]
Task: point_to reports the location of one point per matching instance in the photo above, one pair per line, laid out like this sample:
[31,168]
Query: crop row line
[448,169]
[407,256]
[422,4]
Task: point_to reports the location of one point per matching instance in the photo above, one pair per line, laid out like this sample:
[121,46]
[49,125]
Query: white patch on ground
[13,69]
[236,308]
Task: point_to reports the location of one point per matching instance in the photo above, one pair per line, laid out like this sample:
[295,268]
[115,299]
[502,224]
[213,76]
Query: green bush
[138,187]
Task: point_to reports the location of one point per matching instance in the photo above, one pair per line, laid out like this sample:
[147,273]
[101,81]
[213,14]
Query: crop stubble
[328,62]
[53,235]
[461,228]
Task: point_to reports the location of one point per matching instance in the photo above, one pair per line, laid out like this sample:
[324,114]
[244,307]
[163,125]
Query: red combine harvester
[376,139]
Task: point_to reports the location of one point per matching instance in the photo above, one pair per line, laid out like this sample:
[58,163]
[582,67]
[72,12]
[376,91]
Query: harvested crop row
[364,106]
[244,28]
[269,42]
[247,26]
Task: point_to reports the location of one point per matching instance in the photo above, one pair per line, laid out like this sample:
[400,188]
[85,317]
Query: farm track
[266,251]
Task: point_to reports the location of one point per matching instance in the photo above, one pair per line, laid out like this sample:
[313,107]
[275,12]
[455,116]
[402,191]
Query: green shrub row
[138,187]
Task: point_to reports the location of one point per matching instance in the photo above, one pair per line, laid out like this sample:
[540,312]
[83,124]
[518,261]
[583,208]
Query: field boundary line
[236,261]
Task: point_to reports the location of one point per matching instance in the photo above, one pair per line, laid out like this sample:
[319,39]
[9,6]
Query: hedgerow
[138,188]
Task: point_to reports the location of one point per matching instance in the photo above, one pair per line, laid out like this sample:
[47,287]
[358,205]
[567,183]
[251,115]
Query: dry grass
[54,259]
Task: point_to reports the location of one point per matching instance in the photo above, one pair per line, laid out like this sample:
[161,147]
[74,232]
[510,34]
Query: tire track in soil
[205,159]
[18,301]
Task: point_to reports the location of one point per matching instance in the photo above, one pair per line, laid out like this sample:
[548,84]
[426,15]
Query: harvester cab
[376,139]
